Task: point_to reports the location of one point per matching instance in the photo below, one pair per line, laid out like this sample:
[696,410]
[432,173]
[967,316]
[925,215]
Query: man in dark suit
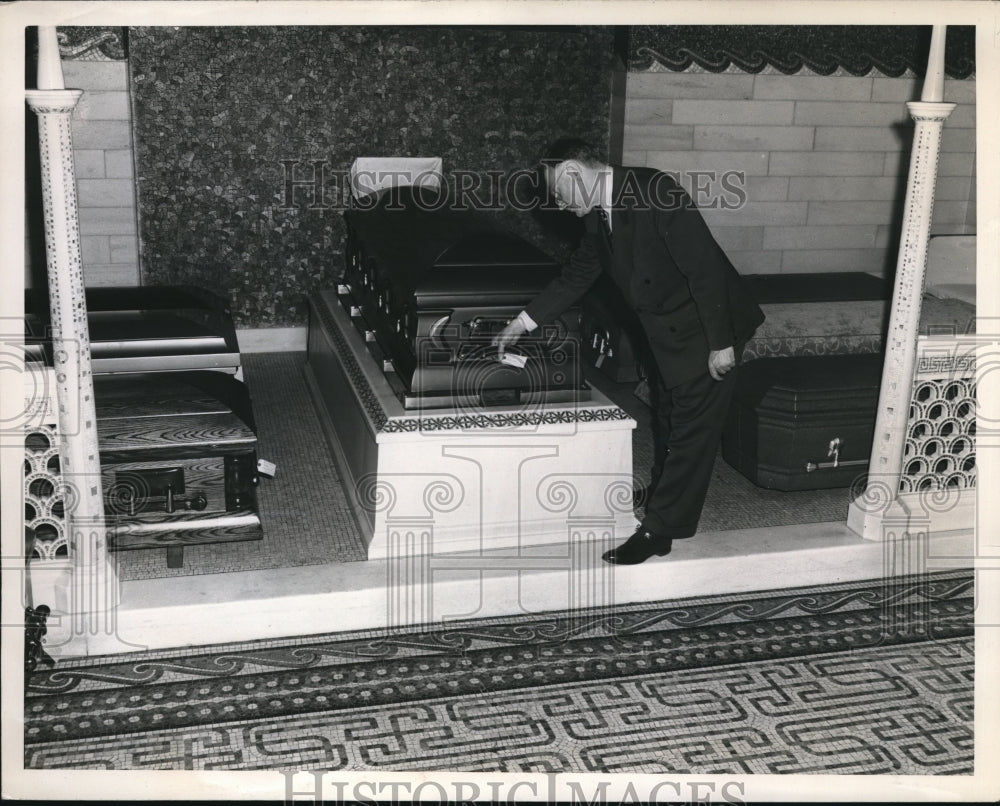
[644,230]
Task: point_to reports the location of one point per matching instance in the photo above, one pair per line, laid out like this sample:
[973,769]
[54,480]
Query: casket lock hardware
[834,451]
[602,345]
[156,488]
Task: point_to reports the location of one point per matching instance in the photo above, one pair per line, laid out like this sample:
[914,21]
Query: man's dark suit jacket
[687,295]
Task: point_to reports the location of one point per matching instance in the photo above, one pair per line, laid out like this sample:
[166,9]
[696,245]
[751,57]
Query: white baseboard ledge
[272,339]
[285,602]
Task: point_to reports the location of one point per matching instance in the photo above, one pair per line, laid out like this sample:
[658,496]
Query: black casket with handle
[178,460]
[803,422]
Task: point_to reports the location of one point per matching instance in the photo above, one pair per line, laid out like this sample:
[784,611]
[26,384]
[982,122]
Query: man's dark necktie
[602,215]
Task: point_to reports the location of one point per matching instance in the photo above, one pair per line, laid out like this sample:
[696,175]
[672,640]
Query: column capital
[929,110]
[44,102]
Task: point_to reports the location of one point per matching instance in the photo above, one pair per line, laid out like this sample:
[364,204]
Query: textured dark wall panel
[217,110]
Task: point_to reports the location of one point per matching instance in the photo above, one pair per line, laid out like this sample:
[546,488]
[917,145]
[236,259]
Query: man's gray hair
[572,148]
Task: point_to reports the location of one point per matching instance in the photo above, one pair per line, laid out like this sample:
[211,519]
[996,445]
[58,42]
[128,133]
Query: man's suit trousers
[690,418]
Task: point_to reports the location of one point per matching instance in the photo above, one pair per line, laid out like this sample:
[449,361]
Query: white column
[91,594]
[869,509]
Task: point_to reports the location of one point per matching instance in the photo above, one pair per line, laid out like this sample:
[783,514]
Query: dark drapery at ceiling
[92,43]
[823,49]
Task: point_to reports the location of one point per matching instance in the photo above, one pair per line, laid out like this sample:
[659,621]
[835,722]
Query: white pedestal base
[466,479]
[477,491]
[911,514]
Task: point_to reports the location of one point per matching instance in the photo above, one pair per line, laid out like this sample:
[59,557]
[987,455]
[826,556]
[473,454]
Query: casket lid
[811,383]
[409,232]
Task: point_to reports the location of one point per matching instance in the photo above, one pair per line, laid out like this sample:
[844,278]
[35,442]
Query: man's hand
[514,330]
[720,362]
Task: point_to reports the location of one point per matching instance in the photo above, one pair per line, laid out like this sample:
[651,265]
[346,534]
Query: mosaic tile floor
[733,502]
[867,678]
[307,520]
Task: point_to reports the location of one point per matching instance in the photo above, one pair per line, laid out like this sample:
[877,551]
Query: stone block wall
[822,161]
[102,149]
[103,158]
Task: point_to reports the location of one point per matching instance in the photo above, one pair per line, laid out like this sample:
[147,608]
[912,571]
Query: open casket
[430,286]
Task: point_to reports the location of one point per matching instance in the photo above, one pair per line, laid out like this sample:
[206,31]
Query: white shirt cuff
[527,321]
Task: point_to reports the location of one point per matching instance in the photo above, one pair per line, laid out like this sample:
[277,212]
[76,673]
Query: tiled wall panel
[825,160]
[102,154]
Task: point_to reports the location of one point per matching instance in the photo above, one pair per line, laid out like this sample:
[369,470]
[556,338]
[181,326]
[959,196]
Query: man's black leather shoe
[638,548]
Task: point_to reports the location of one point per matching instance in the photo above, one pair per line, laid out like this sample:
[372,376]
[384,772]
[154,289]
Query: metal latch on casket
[834,451]
[602,344]
[154,489]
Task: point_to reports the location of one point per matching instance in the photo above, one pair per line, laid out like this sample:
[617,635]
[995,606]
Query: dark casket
[145,329]
[614,343]
[430,286]
[175,427]
[803,422]
[178,460]
[850,286]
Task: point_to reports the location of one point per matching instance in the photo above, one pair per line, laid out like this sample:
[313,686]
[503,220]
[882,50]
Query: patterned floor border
[804,680]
